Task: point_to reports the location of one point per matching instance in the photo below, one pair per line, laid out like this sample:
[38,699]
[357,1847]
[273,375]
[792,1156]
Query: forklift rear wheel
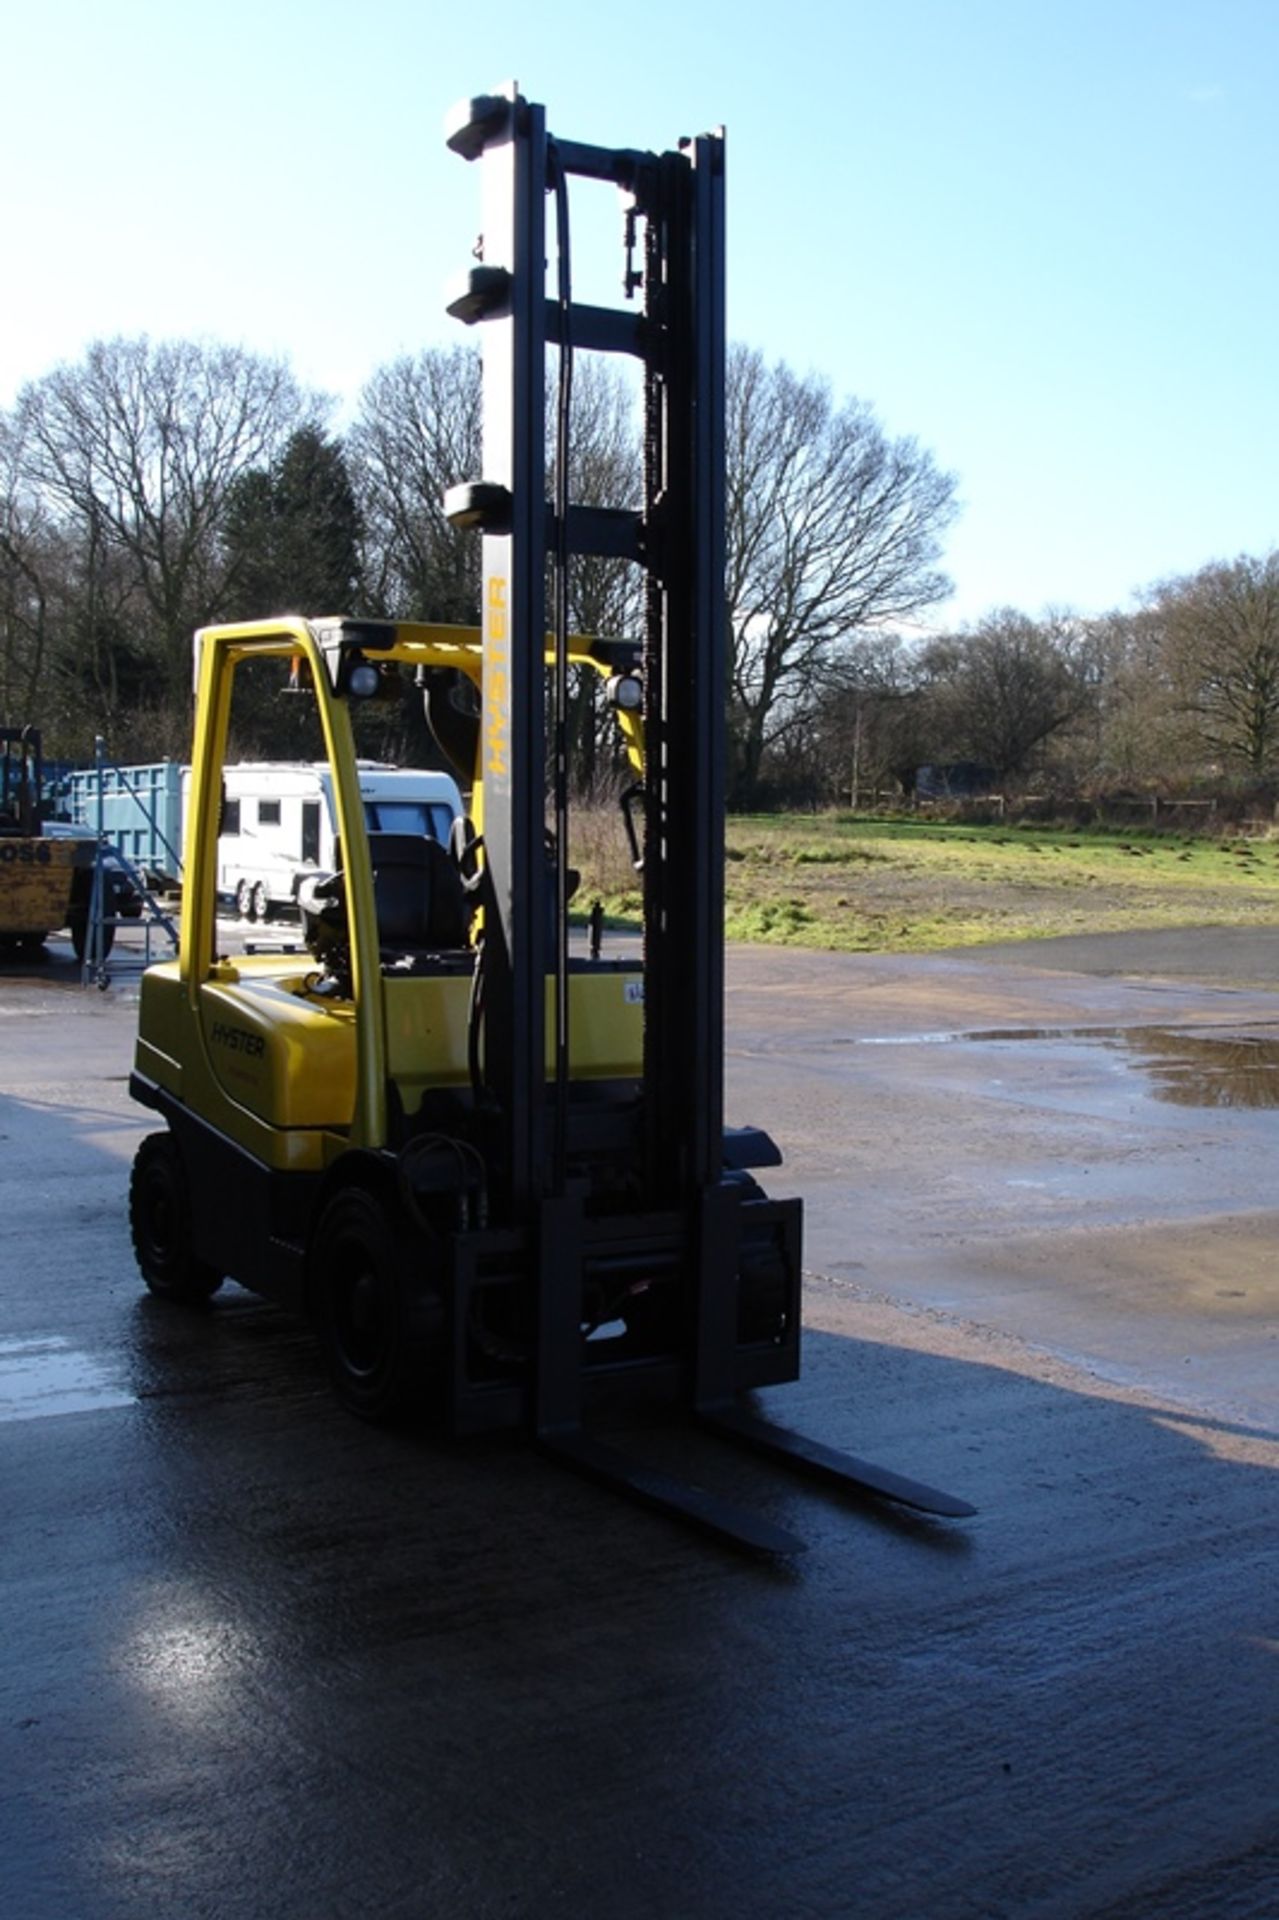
[160,1222]
[370,1322]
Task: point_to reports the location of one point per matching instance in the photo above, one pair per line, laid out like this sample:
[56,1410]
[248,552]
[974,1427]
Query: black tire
[372,1316]
[80,937]
[160,1223]
[261,905]
[244,900]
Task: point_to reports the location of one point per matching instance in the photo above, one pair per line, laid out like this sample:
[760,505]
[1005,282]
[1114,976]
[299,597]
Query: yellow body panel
[426,1027]
[161,1027]
[288,1058]
[278,1063]
[606,1026]
[36,878]
[267,1064]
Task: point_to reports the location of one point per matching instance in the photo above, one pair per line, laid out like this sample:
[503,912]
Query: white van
[278,825]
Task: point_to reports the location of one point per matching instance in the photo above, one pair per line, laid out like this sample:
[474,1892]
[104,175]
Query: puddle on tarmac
[42,1376]
[1240,1071]
[1187,1069]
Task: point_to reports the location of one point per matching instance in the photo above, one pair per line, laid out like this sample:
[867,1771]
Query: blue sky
[1037,235]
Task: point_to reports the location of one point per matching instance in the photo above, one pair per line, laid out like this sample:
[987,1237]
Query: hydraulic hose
[559,697]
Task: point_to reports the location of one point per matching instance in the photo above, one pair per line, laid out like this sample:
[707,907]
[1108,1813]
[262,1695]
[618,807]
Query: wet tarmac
[260,1660]
[1083,1159]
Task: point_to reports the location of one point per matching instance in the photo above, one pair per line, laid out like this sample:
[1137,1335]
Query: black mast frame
[690,1218]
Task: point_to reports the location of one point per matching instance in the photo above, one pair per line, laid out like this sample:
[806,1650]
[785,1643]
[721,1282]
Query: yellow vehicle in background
[46,878]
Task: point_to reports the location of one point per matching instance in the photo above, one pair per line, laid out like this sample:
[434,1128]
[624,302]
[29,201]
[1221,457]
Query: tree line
[152,488]
[1175,698]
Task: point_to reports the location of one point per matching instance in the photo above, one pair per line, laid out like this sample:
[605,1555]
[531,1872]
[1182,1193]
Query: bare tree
[605,595]
[1005,686]
[833,530]
[604,471]
[418,432]
[72,644]
[877,720]
[133,452]
[26,587]
[1139,731]
[1221,628]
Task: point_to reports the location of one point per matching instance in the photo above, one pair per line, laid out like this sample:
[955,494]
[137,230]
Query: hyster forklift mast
[677,536]
[730,1249]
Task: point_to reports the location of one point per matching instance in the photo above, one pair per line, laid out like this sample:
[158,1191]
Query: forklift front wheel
[160,1222]
[368,1318]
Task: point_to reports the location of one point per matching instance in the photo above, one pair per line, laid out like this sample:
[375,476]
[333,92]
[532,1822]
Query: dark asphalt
[261,1661]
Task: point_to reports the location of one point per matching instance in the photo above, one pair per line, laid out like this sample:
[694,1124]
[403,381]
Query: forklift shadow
[237,1361]
[249,1375]
[51,963]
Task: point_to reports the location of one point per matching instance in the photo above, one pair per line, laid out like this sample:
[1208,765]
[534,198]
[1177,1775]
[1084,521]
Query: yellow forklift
[488,1160]
[47,878]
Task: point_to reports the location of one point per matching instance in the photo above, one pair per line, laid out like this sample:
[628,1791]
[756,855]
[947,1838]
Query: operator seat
[421,902]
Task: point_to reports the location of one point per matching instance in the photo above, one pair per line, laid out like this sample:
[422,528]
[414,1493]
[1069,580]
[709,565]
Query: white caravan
[278,825]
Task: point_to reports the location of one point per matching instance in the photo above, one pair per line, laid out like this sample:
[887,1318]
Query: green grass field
[840,882]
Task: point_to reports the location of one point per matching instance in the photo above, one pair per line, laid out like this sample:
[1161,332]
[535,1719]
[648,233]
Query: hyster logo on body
[497,681]
[238,1040]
